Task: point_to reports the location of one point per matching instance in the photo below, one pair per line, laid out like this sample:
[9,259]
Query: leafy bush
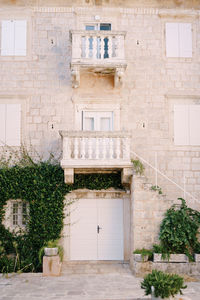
[179,230]
[42,185]
[164,285]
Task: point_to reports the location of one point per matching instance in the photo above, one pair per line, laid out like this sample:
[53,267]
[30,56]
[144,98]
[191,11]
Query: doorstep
[95,267]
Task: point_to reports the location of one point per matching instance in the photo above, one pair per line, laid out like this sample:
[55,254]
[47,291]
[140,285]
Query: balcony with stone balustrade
[95,152]
[99,52]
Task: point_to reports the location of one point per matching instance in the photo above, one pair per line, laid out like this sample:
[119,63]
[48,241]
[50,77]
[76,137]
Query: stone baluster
[87,47]
[66,148]
[97,148]
[76,148]
[110,46]
[118,150]
[82,154]
[111,148]
[90,148]
[95,45]
[102,51]
[120,47]
[126,148]
[76,46]
[104,147]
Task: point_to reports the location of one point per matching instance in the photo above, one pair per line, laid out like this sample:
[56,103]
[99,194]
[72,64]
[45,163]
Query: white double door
[96,229]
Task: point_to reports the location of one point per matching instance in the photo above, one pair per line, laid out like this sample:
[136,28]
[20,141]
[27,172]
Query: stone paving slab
[109,286]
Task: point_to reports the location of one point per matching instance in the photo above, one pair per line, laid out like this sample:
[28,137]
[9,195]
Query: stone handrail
[96,145]
[97,45]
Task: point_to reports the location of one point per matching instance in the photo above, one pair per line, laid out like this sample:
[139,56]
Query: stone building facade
[104,82]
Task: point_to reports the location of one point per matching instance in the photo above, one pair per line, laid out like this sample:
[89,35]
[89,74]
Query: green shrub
[164,285]
[179,230]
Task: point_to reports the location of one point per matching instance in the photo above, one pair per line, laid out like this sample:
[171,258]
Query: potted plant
[162,285]
[51,248]
[142,255]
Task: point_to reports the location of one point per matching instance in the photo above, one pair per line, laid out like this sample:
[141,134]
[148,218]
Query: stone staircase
[148,208]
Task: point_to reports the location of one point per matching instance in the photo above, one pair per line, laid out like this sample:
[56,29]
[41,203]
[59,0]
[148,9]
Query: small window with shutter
[178,40]
[10,124]
[187,124]
[13,37]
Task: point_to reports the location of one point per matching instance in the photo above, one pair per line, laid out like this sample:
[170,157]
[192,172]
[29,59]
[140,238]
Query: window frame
[18,124]
[178,40]
[24,102]
[8,217]
[16,16]
[187,19]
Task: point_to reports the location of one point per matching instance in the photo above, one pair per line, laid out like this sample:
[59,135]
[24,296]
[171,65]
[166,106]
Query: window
[10,124]
[99,26]
[187,124]
[97,121]
[16,214]
[101,42]
[178,40]
[19,213]
[13,37]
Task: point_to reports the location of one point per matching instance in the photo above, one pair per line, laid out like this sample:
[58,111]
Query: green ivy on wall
[42,186]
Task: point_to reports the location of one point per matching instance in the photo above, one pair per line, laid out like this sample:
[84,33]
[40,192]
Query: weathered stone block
[140,258]
[173,258]
[197,258]
[51,265]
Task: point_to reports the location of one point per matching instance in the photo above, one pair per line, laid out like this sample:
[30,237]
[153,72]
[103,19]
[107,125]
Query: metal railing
[157,171]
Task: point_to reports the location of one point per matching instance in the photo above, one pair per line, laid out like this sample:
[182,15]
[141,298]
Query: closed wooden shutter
[2,124]
[7,37]
[20,37]
[13,124]
[185,39]
[172,40]
[194,123]
[181,125]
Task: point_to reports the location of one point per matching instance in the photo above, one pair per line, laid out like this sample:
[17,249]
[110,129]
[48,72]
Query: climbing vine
[42,186]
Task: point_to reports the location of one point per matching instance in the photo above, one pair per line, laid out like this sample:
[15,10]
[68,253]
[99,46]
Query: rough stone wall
[152,83]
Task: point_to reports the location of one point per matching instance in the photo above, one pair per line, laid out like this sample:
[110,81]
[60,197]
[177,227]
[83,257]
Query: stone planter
[50,251]
[197,258]
[174,258]
[158,298]
[140,258]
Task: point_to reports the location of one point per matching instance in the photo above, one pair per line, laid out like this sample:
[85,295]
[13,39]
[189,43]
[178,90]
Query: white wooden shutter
[181,125]
[194,121]
[13,124]
[20,37]
[7,37]
[172,40]
[2,124]
[185,39]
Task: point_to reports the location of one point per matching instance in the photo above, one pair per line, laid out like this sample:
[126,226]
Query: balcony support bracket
[126,175]
[75,74]
[118,79]
[69,175]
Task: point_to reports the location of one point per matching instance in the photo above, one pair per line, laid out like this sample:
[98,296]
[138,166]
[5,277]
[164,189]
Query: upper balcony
[99,51]
[95,151]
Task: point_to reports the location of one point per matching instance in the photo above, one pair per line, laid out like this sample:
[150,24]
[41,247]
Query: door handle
[98,228]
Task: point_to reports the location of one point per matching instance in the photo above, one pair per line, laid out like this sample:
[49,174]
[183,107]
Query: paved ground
[84,282]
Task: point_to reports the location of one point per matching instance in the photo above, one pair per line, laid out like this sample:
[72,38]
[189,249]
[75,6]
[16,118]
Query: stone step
[95,268]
